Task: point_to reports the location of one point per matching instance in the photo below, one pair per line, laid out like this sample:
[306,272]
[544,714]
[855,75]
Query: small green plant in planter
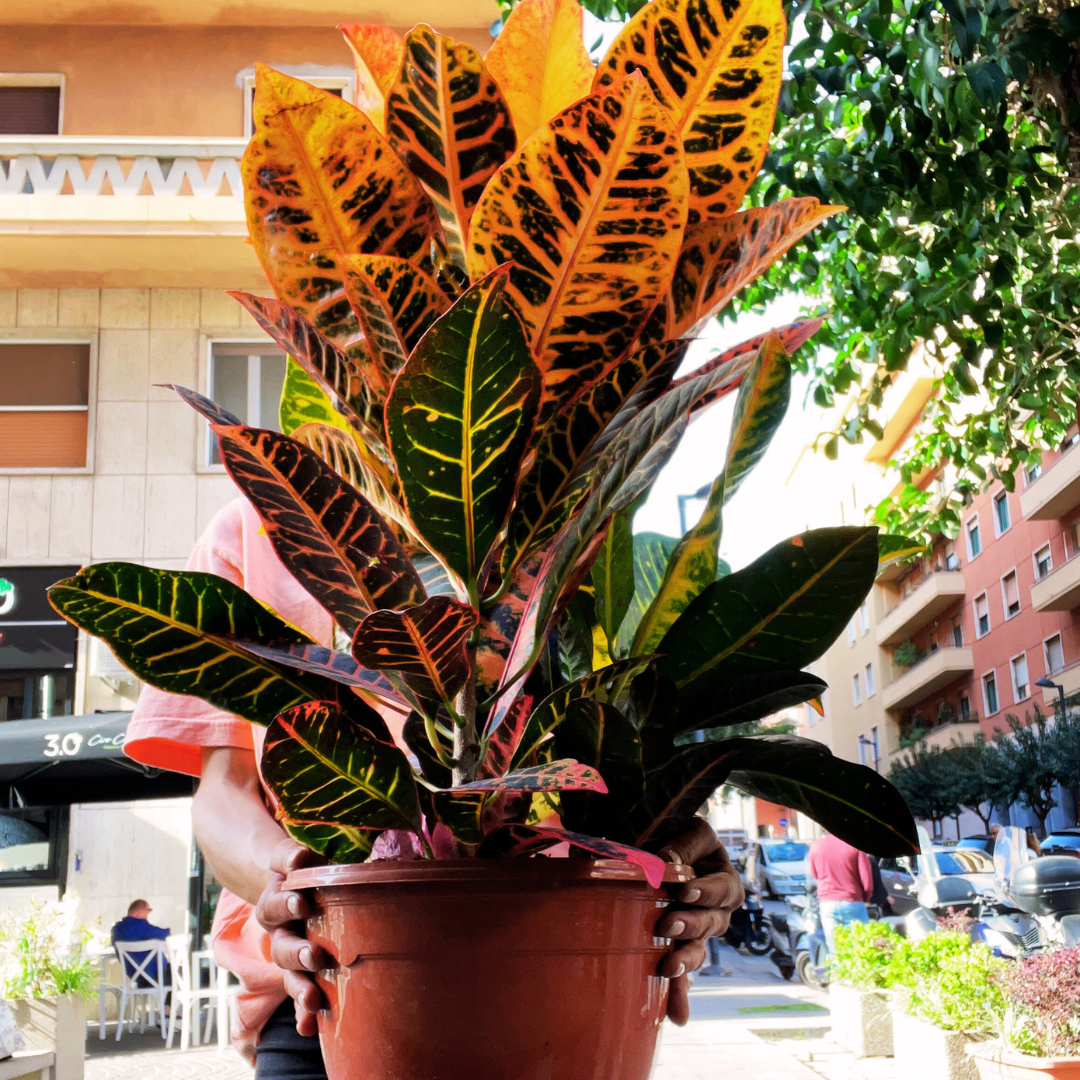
[486,281]
[867,956]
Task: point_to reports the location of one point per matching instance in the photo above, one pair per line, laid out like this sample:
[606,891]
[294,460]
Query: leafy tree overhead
[1030,770]
[980,782]
[927,780]
[951,130]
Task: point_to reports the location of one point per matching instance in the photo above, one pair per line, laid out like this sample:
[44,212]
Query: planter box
[57,1024]
[929,1053]
[862,1021]
[996,1062]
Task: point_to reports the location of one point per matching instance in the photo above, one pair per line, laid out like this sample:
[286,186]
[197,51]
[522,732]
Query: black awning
[71,759]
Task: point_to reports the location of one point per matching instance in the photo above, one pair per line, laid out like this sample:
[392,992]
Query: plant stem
[466,743]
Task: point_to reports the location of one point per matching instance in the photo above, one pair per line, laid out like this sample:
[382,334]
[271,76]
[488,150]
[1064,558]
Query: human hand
[702,910]
[282,913]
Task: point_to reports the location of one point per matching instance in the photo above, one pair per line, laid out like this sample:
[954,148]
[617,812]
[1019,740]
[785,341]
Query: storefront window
[32,842]
[32,695]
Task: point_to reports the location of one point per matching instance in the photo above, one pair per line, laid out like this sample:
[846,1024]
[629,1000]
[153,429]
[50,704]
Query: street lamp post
[1047,684]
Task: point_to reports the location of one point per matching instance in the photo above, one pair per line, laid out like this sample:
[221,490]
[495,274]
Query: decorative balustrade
[106,166]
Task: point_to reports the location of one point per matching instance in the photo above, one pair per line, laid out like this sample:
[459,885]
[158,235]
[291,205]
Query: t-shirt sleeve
[168,731]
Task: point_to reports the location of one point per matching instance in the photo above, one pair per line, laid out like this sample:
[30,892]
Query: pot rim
[452,871]
[994,1050]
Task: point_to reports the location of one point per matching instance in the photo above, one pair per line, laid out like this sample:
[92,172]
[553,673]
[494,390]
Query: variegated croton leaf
[426,644]
[715,67]
[377,51]
[590,212]
[180,633]
[459,418]
[447,119]
[327,535]
[324,768]
[562,775]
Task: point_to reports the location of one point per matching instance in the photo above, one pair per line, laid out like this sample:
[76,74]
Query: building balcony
[123,212]
[1056,492]
[1059,590]
[937,592]
[1067,677]
[933,672]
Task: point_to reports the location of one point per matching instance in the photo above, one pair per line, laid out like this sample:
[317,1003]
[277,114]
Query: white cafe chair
[189,997]
[147,960]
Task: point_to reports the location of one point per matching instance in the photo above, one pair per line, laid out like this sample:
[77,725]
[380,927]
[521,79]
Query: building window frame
[979,632]
[1049,668]
[1037,562]
[856,690]
[52,336]
[39,78]
[1004,596]
[852,633]
[1001,499]
[1032,473]
[992,676]
[325,77]
[972,524]
[864,618]
[868,680]
[1017,687]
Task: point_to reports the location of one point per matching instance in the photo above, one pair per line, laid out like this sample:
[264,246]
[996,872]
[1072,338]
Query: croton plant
[486,277]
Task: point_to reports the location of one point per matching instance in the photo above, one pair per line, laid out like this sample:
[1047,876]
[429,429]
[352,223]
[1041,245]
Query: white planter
[926,1052]
[861,1020]
[55,1024]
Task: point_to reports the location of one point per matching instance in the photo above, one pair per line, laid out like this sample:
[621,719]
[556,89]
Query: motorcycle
[798,941]
[747,927]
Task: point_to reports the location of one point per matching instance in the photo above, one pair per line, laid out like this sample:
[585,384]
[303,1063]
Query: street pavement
[746,1022]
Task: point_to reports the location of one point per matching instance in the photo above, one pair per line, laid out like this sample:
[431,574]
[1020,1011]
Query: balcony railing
[932,672]
[59,165]
[936,592]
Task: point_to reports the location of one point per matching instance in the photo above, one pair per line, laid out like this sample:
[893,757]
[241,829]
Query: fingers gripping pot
[562,983]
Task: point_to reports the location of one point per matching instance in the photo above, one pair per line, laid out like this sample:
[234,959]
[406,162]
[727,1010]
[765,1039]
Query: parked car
[970,863]
[778,868]
[981,842]
[1062,842]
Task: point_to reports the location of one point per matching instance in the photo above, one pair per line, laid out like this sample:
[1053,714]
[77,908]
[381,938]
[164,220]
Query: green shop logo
[7,595]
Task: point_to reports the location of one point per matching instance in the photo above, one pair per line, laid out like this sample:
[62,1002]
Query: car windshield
[787,851]
[1062,840]
[964,861]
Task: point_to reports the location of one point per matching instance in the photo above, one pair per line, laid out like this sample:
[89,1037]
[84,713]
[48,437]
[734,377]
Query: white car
[778,867]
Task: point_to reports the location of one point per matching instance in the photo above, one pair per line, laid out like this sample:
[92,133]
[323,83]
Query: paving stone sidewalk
[747,1023]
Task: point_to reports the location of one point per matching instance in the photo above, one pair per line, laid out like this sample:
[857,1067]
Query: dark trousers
[282,1054]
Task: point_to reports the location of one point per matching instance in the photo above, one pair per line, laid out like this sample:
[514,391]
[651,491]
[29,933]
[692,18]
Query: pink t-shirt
[841,871]
[169,731]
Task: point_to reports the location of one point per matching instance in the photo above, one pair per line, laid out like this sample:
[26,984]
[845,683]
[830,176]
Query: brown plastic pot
[487,969]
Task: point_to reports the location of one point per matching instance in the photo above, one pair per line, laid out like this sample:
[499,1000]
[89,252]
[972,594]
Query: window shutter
[29,110]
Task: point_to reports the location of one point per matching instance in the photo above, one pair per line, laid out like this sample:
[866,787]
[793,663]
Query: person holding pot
[258,925]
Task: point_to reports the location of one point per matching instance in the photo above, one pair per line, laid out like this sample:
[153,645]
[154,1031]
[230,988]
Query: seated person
[136,926]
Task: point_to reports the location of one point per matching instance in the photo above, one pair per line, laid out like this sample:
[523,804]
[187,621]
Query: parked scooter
[747,927]
[798,941]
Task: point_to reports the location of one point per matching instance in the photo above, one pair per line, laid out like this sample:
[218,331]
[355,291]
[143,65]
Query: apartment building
[121,228]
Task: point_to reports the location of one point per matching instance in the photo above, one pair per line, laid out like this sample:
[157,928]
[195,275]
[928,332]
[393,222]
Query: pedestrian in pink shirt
[257,925]
[845,883]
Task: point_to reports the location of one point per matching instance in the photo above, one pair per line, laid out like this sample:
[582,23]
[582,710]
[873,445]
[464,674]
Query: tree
[951,130]
[1030,766]
[979,777]
[927,780]
[1065,736]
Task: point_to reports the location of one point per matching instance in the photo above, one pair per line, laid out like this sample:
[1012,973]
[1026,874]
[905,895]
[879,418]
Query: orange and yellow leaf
[590,214]
[540,62]
[377,51]
[720,256]
[447,119]
[715,66]
[319,182]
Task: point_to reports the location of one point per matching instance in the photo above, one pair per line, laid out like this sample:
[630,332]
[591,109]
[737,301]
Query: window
[974,541]
[869,680]
[1010,595]
[957,632]
[990,698]
[1044,562]
[1019,677]
[341,86]
[33,845]
[982,616]
[856,689]
[29,695]
[1055,655]
[811,715]
[1002,520]
[952,561]
[851,631]
[31,104]
[864,618]
[965,709]
[1072,440]
[1032,473]
[246,378]
[44,404]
